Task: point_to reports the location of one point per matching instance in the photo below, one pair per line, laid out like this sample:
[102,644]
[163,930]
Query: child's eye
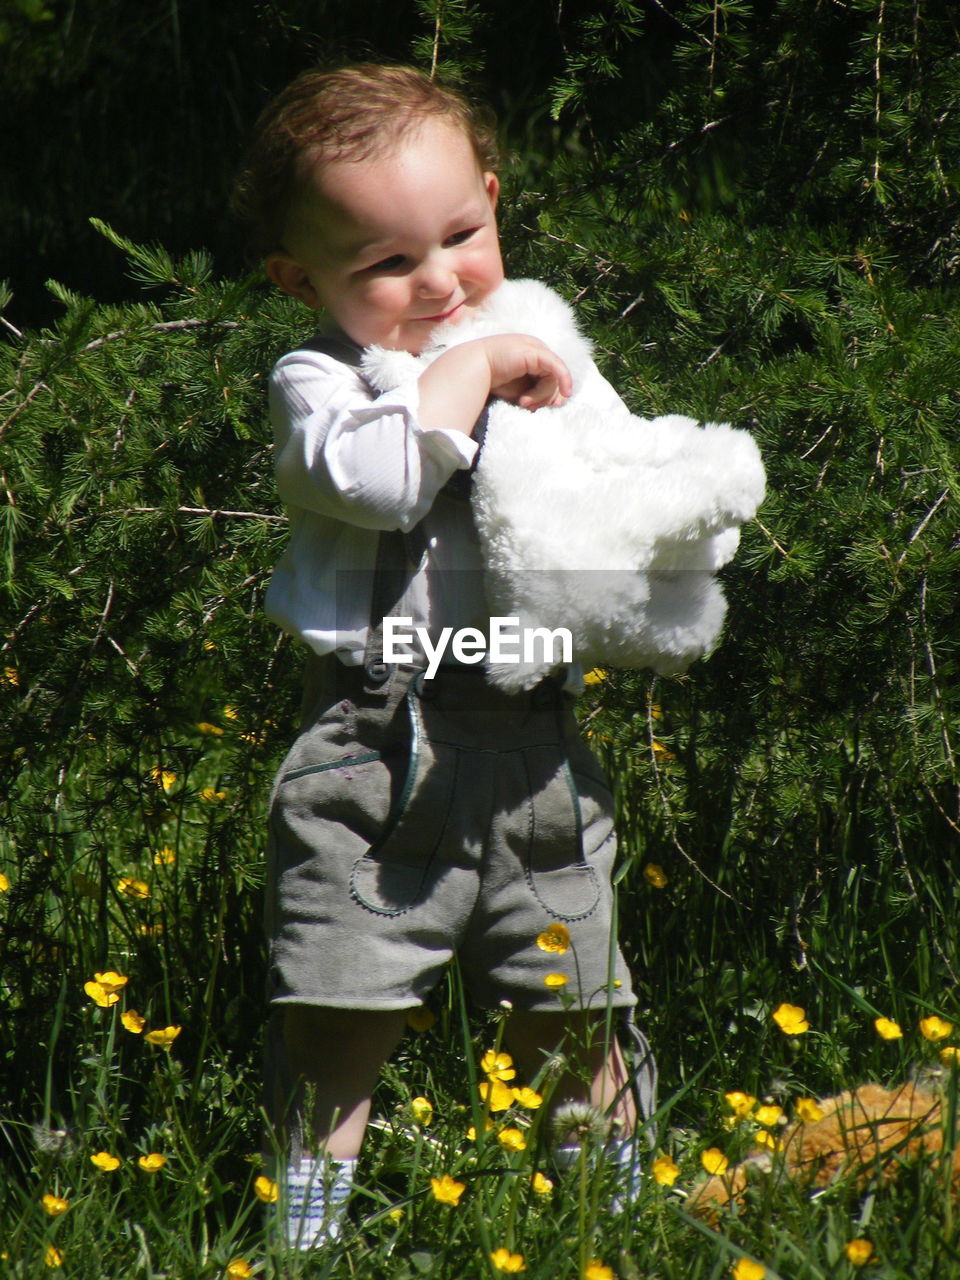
[393,263]
[460,237]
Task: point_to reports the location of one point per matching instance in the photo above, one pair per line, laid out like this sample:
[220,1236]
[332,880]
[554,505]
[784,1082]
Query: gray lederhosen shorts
[414,820]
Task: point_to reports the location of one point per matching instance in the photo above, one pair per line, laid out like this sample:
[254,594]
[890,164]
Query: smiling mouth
[444,315]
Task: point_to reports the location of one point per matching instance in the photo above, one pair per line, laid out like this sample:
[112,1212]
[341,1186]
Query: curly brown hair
[347,113]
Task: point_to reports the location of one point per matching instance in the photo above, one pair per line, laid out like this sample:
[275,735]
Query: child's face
[394,244]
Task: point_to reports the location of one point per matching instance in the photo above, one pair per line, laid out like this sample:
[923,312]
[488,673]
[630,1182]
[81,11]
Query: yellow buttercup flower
[472,1131]
[555,939]
[595,1270]
[152,1163]
[528,1098]
[555,981]
[101,997]
[950,1056]
[655,875]
[808,1110]
[765,1139]
[859,1251]
[111,980]
[52,1256]
[163,1037]
[231,713]
[210,795]
[133,1021]
[4,883]
[791,1019]
[133,888]
[211,729]
[664,1171]
[887,1029]
[504,1260]
[164,857]
[165,778]
[541,1184]
[54,1205]
[497,1066]
[595,676]
[497,1095]
[747,1269]
[768,1115]
[105,1162]
[422,1110]
[421,1019]
[934,1028]
[238,1269]
[714,1161]
[266,1189]
[447,1190]
[512,1139]
[741,1104]
[104,988]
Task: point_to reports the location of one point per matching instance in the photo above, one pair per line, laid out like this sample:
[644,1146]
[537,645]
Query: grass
[152,871]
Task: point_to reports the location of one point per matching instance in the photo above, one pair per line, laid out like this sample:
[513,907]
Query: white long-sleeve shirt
[350,464]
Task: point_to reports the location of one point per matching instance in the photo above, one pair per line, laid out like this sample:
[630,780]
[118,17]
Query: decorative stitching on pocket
[342,763]
[413,767]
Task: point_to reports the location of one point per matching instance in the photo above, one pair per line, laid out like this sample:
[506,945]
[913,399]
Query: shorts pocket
[559,872]
[325,811]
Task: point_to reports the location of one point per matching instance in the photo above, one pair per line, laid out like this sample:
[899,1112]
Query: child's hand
[525,371]
[514,367]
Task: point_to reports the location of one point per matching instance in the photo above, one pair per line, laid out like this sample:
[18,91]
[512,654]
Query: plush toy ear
[385,369]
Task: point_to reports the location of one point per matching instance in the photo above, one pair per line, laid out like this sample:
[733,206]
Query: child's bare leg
[339,1053]
[333,1059]
[595,1076]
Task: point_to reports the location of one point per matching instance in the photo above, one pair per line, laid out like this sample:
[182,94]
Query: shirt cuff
[455,446]
[443,444]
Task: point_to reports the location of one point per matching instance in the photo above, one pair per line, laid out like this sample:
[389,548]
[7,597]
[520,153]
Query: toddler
[413,820]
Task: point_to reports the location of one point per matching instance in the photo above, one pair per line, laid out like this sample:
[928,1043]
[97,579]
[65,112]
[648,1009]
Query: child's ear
[492,184]
[287,274]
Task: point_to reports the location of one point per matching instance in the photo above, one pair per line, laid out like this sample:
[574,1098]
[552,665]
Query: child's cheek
[485,264]
[384,295]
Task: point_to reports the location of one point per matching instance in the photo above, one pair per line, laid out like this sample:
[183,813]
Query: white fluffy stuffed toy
[610,526]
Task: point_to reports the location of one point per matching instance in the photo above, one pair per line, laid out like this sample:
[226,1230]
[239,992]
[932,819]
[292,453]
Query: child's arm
[377,462]
[513,366]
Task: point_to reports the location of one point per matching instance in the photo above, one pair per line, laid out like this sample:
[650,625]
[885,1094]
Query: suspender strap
[337,345]
[391,576]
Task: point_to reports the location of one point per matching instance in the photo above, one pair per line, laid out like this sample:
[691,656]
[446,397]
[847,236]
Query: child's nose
[436,278]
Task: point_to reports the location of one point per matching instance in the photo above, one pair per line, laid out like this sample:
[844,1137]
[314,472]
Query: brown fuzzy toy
[863,1133]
